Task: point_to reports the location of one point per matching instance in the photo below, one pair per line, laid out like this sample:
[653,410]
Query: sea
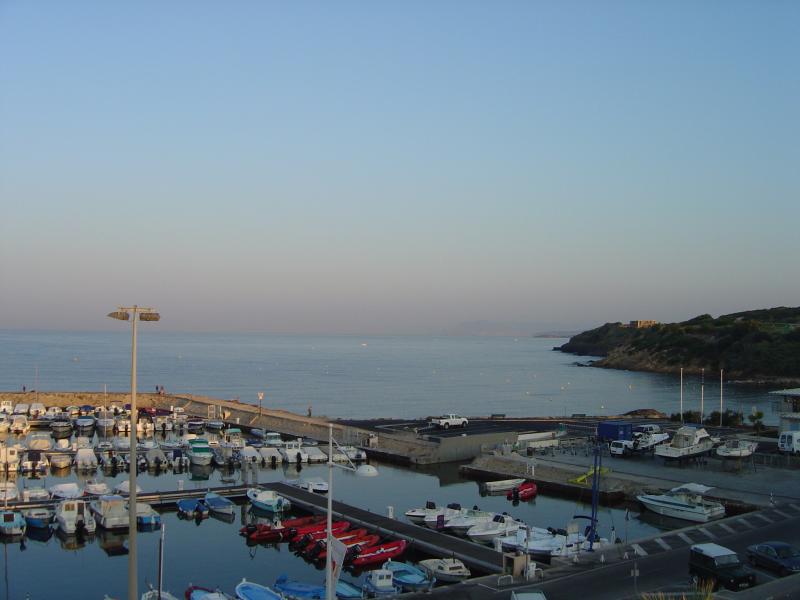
[338,376]
[360,376]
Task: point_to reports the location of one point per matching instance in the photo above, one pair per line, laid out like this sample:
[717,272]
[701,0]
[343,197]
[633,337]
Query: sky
[396,167]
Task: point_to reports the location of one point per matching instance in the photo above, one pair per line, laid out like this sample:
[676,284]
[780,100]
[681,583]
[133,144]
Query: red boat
[285,524]
[317,528]
[340,535]
[524,491]
[360,542]
[337,528]
[380,553]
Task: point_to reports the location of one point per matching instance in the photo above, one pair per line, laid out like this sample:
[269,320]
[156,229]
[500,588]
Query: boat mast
[720,397]
[702,392]
[598,463]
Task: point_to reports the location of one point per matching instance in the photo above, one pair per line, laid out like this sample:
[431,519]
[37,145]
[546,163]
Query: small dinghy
[268,500]
[12,523]
[380,553]
[298,589]
[408,577]
[193,508]
[147,517]
[123,488]
[247,590]
[96,488]
[66,490]
[522,492]
[346,590]
[219,504]
[196,592]
[39,518]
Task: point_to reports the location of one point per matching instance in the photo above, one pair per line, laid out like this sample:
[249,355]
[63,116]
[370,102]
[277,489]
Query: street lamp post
[133,314]
[362,471]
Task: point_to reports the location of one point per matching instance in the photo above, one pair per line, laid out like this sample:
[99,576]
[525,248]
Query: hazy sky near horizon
[369,167]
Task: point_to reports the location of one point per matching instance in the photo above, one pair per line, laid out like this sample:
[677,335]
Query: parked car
[719,566]
[780,557]
[448,421]
[789,441]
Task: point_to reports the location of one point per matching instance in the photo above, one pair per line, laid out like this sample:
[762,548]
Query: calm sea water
[343,376]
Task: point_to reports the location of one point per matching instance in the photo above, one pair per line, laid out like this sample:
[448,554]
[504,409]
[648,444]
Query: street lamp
[133,314]
[361,471]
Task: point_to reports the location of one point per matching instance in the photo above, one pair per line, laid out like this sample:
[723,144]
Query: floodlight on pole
[133,314]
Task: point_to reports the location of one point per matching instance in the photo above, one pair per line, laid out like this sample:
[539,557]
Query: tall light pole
[133,314]
[362,471]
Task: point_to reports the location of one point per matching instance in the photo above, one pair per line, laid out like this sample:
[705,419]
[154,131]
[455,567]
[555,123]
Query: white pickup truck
[448,421]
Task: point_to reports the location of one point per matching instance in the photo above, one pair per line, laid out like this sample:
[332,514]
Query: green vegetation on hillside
[756,344]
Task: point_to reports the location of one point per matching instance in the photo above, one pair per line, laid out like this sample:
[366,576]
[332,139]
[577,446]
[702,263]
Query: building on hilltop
[642,324]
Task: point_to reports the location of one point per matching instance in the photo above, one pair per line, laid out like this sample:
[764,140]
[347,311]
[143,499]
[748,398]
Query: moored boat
[522,492]
[408,577]
[268,500]
[12,523]
[380,553]
[247,590]
[73,516]
[684,502]
[379,583]
[94,487]
[688,442]
[66,490]
[196,592]
[448,570]
[502,485]
[500,525]
[110,512]
[193,508]
[736,448]
[38,517]
[146,516]
[298,590]
[219,504]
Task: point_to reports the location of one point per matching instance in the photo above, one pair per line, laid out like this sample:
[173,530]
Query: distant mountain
[761,345]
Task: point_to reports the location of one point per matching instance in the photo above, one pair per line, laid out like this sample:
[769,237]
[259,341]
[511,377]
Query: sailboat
[158,593]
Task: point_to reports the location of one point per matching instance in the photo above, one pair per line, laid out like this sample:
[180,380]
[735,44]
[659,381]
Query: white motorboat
[21,409]
[35,494]
[502,485]
[684,502]
[105,421]
[417,515]
[9,458]
[94,487]
[270,455]
[442,516]
[500,525]
[199,452]
[61,427]
[122,444]
[19,424]
[85,460]
[40,441]
[37,410]
[8,491]
[123,488]
[66,490]
[644,442]
[74,515]
[110,512]
[736,448]
[688,442]
[545,548]
[5,424]
[60,460]
[85,425]
[82,442]
[460,524]
[292,452]
[163,424]
[250,455]
[315,454]
[6,407]
[312,484]
[449,570]
[353,453]
[268,500]
[123,424]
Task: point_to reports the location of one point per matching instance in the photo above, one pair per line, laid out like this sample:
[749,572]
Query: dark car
[718,566]
[775,556]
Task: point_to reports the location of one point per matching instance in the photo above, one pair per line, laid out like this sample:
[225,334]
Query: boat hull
[678,512]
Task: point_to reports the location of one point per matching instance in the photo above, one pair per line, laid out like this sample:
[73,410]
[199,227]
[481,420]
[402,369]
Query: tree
[756,419]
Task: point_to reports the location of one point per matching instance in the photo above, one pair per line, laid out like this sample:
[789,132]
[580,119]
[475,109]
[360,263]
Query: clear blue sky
[397,167]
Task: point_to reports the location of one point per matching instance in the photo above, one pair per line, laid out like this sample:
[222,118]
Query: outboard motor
[430,505]
[515,494]
[273,461]
[299,458]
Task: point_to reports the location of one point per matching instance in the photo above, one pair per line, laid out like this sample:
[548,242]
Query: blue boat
[297,590]
[40,518]
[12,523]
[247,590]
[348,591]
[147,517]
[219,504]
[193,508]
[408,577]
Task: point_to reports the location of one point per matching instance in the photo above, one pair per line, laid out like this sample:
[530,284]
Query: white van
[789,441]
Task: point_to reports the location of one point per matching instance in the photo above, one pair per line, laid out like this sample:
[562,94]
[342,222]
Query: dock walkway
[475,556]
